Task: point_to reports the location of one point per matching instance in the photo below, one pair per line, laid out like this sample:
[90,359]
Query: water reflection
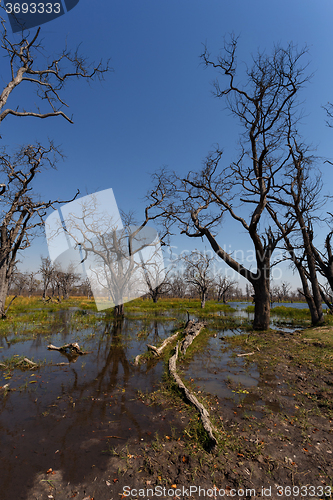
[63,417]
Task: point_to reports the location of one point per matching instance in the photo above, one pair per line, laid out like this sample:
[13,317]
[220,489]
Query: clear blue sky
[156,109]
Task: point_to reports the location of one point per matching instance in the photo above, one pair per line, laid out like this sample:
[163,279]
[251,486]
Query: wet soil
[102,427]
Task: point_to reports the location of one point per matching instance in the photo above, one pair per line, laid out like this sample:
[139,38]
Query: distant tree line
[50,282]
[196,278]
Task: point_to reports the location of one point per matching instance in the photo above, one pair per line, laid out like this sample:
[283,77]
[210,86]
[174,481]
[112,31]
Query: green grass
[180,305]
[285,312]
[33,315]
[16,361]
[310,346]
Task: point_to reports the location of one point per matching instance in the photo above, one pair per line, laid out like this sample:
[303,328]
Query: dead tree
[198,202]
[178,285]
[84,288]
[22,213]
[112,255]
[223,284]
[324,259]
[293,207]
[198,273]
[46,269]
[66,279]
[156,279]
[48,78]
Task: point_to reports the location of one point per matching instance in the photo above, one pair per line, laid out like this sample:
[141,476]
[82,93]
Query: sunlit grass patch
[310,346]
[285,312]
[291,312]
[181,305]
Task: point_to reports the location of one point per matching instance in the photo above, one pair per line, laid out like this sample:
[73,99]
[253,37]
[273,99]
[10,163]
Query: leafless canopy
[21,211]
[263,104]
[28,64]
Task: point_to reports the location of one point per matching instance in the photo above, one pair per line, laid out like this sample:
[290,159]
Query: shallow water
[65,417]
[55,416]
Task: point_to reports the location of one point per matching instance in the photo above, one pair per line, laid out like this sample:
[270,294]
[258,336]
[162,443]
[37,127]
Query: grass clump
[16,361]
[310,346]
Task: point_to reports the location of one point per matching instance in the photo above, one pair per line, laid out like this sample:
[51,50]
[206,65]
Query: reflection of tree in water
[112,377]
[156,334]
[114,355]
[60,325]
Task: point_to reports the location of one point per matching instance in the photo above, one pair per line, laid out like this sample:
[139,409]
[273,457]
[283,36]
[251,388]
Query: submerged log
[204,415]
[191,331]
[72,348]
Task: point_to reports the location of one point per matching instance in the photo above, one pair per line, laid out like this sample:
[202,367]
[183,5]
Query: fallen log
[191,331]
[72,348]
[157,350]
[245,354]
[204,415]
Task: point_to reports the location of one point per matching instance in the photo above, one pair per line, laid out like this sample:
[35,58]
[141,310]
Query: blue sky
[156,109]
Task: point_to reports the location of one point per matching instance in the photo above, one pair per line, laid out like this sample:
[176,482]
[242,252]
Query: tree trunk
[155,297]
[119,310]
[3,292]
[316,317]
[261,308]
[5,274]
[315,305]
[203,300]
[261,297]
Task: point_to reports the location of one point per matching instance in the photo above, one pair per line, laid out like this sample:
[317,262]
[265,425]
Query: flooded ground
[54,416]
[67,418]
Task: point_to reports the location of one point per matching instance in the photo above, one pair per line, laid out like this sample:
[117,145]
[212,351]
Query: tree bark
[119,310]
[261,306]
[4,283]
[261,285]
[3,295]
